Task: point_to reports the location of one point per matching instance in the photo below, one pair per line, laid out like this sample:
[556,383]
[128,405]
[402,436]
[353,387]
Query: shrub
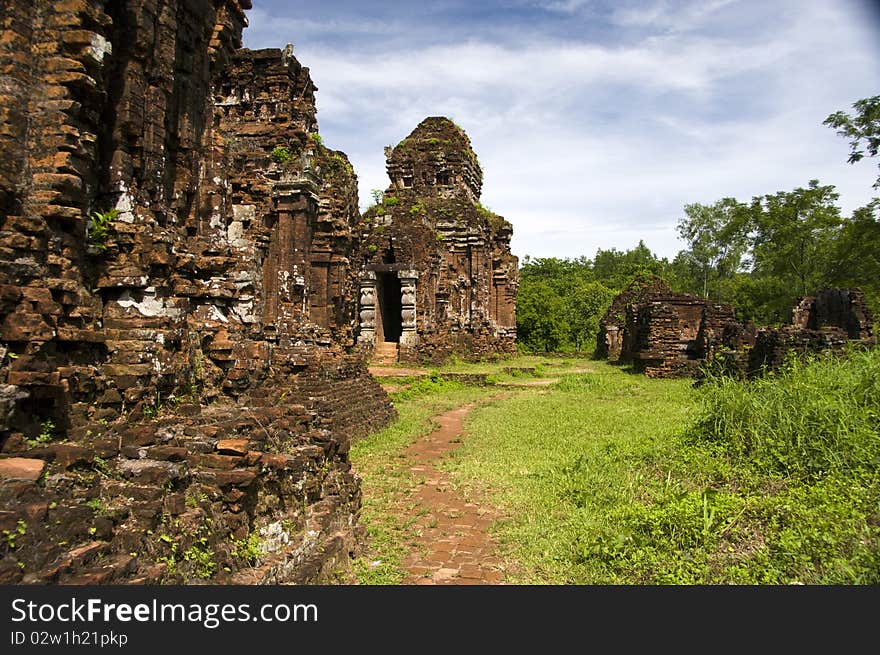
[281,155]
[99,227]
[427,385]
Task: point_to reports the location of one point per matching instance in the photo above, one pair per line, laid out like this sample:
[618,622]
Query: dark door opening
[390,325]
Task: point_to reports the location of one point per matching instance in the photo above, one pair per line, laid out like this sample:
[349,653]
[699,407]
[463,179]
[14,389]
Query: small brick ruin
[827,322]
[437,277]
[667,334]
[180,382]
[613,339]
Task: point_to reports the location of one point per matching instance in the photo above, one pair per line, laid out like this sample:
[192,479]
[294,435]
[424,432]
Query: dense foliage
[560,301]
[760,256]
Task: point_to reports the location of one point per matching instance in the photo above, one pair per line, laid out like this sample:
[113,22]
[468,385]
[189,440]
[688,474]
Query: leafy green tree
[855,260]
[541,322]
[717,239]
[560,301]
[616,268]
[862,129]
[558,273]
[586,304]
[793,236]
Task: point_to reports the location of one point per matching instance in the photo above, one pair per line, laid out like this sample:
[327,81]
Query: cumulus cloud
[598,142]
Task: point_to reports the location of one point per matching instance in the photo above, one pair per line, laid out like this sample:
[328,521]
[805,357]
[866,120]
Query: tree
[793,236]
[862,128]
[541,323]
[586,304]
[855,260]
[716,235]
[615,268]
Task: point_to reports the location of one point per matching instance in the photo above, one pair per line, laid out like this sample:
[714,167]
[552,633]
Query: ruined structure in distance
[177,303]
[437,275]
[666,334]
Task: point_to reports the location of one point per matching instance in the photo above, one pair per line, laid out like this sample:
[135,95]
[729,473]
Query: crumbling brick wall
[612,339]
[665,337]
[449,256]
[842,308]
[667,334]
[177,399]
[830,321]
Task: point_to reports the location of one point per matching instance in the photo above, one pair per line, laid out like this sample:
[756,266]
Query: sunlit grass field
[607,477]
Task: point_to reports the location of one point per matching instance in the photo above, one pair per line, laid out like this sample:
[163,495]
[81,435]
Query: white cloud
[267,28]
[665,15]
[588,145]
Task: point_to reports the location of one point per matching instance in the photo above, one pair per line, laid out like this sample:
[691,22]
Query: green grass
[550,366]
[613,478]
[559,460]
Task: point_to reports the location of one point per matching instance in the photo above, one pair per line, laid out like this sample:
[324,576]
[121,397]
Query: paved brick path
[454,547]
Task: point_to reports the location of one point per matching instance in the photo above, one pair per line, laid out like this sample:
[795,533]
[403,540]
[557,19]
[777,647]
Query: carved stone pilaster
[367,334]
[408,336]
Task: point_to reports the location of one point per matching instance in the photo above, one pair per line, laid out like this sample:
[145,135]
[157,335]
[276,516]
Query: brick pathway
[455,547]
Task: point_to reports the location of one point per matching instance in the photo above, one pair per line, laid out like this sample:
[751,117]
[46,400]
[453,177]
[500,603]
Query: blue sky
[595,121]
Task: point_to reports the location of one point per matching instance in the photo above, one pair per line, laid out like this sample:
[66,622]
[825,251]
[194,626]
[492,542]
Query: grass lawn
[560,459]
[612,478]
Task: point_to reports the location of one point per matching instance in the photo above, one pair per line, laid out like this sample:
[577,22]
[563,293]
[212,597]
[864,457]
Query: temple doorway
[389,325]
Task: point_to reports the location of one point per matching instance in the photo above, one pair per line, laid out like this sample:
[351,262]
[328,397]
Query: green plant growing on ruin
[378,196]
[99,227]
[169,560]
[202,558]
[340,163]
[249,549]
[195,497]
[10,536]
[47,432]
[281,154]
[390,201]
[102,466]
[439,236]
[417,208]
[433,141]
[96,505]
[151,411]
[316,138]
[372,248]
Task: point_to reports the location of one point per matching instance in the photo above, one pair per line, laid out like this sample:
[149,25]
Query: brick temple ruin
[437,277]
[827,322]
[178,280]
[666,334]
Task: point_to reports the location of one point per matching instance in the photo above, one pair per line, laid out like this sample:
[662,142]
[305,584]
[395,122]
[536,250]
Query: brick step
[385,353]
